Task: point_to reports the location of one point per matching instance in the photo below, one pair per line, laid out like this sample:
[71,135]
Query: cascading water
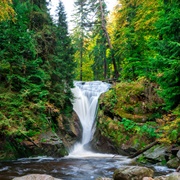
[85,105]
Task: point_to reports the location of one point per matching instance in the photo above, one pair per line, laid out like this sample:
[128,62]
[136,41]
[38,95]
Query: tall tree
[35,61]
[166,63]
[104,28]
[62,63]
[79,32]
[134,26]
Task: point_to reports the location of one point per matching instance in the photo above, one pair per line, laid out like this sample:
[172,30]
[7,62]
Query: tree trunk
[103,25]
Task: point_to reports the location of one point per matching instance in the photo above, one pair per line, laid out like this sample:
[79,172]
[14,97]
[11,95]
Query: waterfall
[85,105]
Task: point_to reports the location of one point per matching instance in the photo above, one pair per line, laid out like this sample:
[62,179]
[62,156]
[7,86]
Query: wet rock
[147,178]
[178,154]
[160,178]
[103,178]
[178,169]
[102,144]
[173,163]
[173,176]
[70,130]
[48,144]
[156,154]
[132,173]
[36,177]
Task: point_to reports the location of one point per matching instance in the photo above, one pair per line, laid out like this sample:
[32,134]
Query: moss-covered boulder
[132,173]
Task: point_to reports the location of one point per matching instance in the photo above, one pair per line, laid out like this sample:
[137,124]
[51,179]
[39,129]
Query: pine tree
[81,22]
[166,63]
[62,63]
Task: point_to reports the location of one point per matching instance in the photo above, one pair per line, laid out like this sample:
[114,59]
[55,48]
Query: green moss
[124,113]
[131,101]
[141,159]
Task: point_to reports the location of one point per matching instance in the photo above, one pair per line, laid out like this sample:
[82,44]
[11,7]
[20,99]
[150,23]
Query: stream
[67,168]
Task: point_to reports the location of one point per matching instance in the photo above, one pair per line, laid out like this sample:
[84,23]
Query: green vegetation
[35,61]
[128,116]
[137,44]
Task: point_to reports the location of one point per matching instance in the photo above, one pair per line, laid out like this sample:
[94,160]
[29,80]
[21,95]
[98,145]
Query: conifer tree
[166,63]
[81,22]
[62,61]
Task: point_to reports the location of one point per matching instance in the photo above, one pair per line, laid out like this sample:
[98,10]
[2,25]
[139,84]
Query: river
[68,168]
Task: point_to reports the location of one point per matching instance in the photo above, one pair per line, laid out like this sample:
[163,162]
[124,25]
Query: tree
[103,25]
[62,65]
[35,61]
[134,27]
[166,63]
[79,32]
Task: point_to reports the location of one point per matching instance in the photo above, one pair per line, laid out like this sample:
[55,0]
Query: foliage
[170,127]
[6,10]
[128,116]
[167,61]
[89,39]
[135,100]
[36,58]
[126,131]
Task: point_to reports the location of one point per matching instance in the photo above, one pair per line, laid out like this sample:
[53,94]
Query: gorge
[80,163]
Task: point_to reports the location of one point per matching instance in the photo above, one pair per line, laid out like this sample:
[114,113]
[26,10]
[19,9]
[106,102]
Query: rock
[160,178]
[36,177]
[173,176]
[178,154]
[173,163]
[156,154]
[47,144]
[147,178]
[102,144]
[103,178]
[132,173]
[51,144]
[178,169]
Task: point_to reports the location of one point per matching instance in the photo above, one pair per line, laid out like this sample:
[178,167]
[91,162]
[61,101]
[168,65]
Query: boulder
[156,154]
[132,173]
[147,178]
[178,154]
[160,178]
[173,176]
[173,163]
[36,177]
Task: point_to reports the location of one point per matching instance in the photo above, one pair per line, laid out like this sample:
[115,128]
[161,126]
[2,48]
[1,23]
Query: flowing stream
[80,164]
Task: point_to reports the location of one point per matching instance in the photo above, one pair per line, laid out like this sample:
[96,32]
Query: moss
[141,159]
[124,113]
[131,101]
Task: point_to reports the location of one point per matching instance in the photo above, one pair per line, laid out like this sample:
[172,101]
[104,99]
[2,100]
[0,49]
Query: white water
[85,105]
